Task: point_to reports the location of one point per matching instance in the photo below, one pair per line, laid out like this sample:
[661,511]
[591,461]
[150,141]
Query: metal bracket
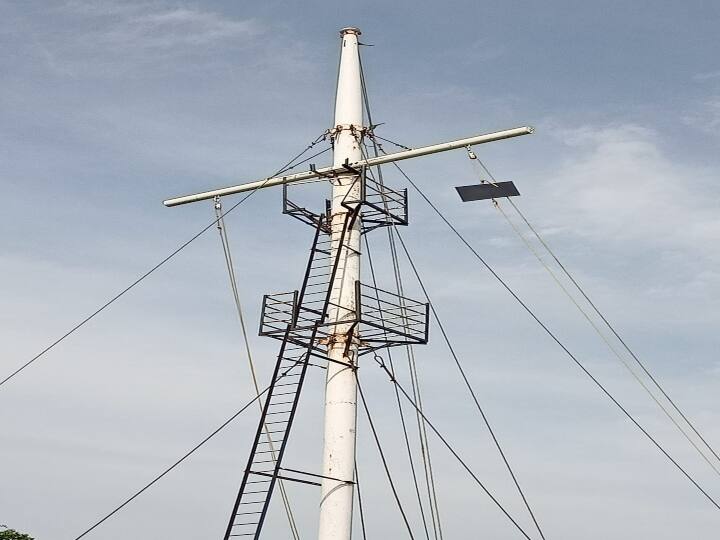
[314,170]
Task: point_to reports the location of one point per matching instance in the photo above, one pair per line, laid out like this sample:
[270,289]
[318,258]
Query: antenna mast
[333,318]
[336,501]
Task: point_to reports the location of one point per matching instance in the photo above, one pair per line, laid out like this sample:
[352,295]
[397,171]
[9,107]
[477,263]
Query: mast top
[350,30]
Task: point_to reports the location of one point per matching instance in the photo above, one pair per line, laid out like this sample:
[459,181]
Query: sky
[109,107]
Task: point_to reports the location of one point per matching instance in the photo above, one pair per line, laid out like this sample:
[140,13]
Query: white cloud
[106,35]
[625,190]
[168,28]
[707,76]
[705,116]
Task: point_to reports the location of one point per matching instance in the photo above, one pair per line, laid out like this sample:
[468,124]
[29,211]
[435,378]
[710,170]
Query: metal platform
[383,319]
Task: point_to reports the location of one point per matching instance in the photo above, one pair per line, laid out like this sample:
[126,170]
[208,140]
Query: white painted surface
[336,503]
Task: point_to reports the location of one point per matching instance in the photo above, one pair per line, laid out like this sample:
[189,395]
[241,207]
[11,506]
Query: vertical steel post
[336,504]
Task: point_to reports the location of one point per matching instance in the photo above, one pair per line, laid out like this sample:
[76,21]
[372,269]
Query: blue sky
[107,108]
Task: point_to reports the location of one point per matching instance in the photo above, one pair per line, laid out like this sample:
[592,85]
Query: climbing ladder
[308,309]
[300,320]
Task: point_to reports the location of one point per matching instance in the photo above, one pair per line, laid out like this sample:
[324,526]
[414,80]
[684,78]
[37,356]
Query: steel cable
[360,504]
[288,166]
[222,230]
[176,463]
[558,342]
[399,403]
[606,322]
[606,340]
[384,461]
[422,433]
[466,380]
[452,450]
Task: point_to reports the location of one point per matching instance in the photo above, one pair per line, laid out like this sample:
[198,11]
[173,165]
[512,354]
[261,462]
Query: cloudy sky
[107,108]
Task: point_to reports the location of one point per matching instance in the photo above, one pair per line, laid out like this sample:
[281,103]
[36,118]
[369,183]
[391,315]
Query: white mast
[337,489]
[336,503]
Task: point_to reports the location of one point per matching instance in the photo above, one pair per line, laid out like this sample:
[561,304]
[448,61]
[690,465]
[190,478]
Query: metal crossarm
[371,162]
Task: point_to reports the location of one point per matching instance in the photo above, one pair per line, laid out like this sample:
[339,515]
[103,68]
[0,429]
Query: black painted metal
[299,319]
[300,212]
[381,318]
[291,371]
[381,205]
[299,343]
[479,192]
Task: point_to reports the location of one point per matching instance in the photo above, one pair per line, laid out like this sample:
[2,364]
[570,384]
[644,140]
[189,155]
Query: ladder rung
[286,384]
[271,441]
[254,492]
[285,394]
[281,403]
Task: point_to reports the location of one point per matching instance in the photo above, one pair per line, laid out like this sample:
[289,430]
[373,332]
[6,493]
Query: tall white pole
[336,504]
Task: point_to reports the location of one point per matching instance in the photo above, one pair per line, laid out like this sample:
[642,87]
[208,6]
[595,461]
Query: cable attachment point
[470,152]
[218,214]
[381,362]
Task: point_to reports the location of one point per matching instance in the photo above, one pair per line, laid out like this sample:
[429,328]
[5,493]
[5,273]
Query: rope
[451,449]
[289,165]
[415,386]
[606,322]
[391,142]
[606,340]
[360,504]
[222,230]
[384,461]
[176,463]
[558,342]
[399,403]
[422,432]
[465,379]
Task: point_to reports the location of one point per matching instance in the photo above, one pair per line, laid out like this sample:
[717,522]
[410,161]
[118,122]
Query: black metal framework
[383,319]
[484,191]
[271,437]
[381,206]
[300,320]
[303,214]
[299,343]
